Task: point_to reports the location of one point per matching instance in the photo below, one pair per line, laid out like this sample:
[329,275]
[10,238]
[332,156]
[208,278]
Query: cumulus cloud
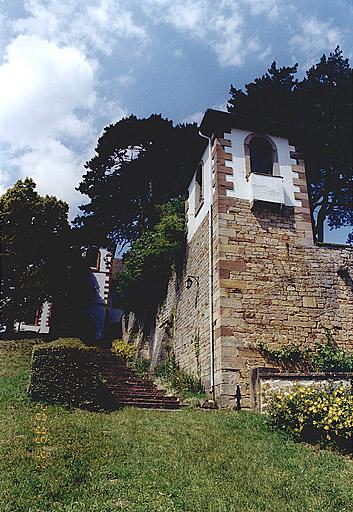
[54,167]
[269,8]
[61,57]
[50,107]
[41,86]
[47,96]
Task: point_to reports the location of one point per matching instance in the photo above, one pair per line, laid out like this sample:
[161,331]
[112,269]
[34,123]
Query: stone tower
[253,270]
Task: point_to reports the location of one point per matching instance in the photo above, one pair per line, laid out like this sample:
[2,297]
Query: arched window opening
[261,156]
[199,187]
[92,257]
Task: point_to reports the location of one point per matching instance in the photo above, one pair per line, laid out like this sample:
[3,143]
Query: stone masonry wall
[183,322]
[272,283]
[266,381]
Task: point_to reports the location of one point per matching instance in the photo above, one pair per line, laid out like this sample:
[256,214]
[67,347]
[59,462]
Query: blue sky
[70,67]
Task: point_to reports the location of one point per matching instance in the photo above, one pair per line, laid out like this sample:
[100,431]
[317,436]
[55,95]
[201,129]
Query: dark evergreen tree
[139,163]
[322,101]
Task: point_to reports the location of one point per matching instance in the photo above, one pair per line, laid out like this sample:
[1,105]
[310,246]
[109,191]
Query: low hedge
[65,372]
[321,415]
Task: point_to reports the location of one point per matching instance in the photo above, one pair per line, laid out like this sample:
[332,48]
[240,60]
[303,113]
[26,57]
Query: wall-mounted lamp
[190,280]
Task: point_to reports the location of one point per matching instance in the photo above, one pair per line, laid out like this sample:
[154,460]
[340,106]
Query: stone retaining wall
[265,381]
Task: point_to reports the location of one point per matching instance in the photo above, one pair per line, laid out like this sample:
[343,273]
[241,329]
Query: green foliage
[139,163]
[329,357]
[178,379]
[290,357]
[321,101]
[196,342]
[144,460]
[323,357]
[317,414]
[124,350]
[65,373]
[33,240]
[141,367]
[135,182]
[142,285]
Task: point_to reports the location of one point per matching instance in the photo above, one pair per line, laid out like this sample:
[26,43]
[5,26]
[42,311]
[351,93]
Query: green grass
[136,460]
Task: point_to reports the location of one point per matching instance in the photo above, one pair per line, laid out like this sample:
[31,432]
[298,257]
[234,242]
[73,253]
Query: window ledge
[266,174]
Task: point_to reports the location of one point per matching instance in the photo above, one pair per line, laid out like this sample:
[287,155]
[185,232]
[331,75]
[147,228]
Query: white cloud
[51,111]
[55,168]
[41,86]
[220,27]
[270,8]
[316,36]
[48,96]
[85,24]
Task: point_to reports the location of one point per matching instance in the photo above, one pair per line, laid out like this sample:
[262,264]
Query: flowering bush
[316,414]
[123,349]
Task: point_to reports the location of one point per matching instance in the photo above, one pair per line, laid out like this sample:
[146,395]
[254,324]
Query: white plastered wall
[195,217]
[242,187]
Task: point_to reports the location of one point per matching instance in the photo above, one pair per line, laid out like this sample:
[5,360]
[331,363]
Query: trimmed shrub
[65,372]
[316,414]
[124,350]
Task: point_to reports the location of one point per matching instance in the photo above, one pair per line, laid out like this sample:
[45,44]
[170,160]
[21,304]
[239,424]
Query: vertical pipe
[210,264]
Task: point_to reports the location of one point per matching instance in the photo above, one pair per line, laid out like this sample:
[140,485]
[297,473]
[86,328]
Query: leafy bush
[148,264]
[66,372]
[324,357]
[316,414]
[329,357]
[178,379]
[291,357]
[124,350]
[142,367]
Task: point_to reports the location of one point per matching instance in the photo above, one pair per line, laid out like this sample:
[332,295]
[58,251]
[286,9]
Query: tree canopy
[136,184]
[33,234]
[321,101]
[143,282]
[139,163]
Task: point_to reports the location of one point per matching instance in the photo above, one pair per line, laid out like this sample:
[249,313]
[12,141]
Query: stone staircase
[127,389]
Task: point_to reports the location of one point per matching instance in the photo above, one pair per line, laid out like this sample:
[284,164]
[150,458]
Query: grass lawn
[140,460]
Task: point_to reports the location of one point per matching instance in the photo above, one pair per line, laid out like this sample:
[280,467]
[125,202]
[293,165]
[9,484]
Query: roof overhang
[216,122]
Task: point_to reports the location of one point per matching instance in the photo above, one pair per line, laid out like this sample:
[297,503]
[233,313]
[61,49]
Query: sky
[68,68]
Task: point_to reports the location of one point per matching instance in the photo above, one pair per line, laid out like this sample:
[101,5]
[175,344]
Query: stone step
[149,404]
[141,394]
[135,391]
[119,382]
[128,389]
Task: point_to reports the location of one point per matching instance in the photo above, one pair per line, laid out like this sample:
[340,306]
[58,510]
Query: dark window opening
[199,187]
[92,257]
[261,156]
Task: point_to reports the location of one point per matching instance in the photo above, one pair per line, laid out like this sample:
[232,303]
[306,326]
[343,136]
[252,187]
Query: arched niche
[261,156]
